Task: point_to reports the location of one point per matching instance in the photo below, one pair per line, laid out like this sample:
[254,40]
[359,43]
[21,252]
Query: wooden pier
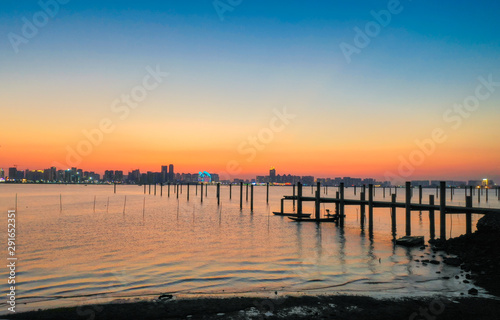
[340,203]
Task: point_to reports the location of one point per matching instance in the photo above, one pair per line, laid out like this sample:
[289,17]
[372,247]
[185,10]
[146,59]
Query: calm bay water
[188,248]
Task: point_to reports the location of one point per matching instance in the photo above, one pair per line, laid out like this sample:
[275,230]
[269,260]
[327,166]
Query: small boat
[305,215]
[298,219]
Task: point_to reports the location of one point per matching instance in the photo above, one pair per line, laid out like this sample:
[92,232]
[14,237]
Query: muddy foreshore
[478,253]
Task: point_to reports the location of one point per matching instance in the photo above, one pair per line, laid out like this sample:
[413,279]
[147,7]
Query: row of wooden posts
[444,209]
[177,188]
[340,202]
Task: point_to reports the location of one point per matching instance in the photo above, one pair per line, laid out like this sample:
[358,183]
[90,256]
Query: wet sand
[322,307]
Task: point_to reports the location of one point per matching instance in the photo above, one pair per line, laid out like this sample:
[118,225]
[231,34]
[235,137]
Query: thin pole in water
[143,208]
[124,204]
[251,198]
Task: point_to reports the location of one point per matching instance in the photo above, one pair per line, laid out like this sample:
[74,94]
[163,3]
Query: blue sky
[264,54]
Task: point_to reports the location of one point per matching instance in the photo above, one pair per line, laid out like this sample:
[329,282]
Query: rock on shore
[479,252]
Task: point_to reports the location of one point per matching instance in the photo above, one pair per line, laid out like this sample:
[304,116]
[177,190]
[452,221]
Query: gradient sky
[227,79]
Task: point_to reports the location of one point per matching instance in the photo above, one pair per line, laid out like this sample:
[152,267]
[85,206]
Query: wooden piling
[241,195]
[150,188]
[144,188]
[169,189]
[155,189]
[487,189]
[299,198]
[293,197]
[177,190]
[383,191]
[317,202]
[432,227]
[442,210]
[246,190]
[161,189]
[337,196]
[479,196]
[267,192]
[282,204]
[201,192]
[218,193]
[187,196]
[341,205]
[451,193]
[393,213]
[420,194]
[230,191]
[362,209]
[468,216]
[251,197]
[181,187]
[408,208]
[206,191]
[370,208]
[354,190]
[196,189]
[114,187]
[437,192]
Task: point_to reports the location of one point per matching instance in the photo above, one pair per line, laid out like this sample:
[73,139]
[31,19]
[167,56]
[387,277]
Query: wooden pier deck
[442,208]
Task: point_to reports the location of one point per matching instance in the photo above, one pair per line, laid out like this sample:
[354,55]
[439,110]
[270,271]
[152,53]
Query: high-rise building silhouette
[171,175]
[164,174]
[272,175]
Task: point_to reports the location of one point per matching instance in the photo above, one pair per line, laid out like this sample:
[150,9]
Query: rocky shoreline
[307,307]
[478,253]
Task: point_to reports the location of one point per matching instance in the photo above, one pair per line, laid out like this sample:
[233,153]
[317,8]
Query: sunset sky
[233,70]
